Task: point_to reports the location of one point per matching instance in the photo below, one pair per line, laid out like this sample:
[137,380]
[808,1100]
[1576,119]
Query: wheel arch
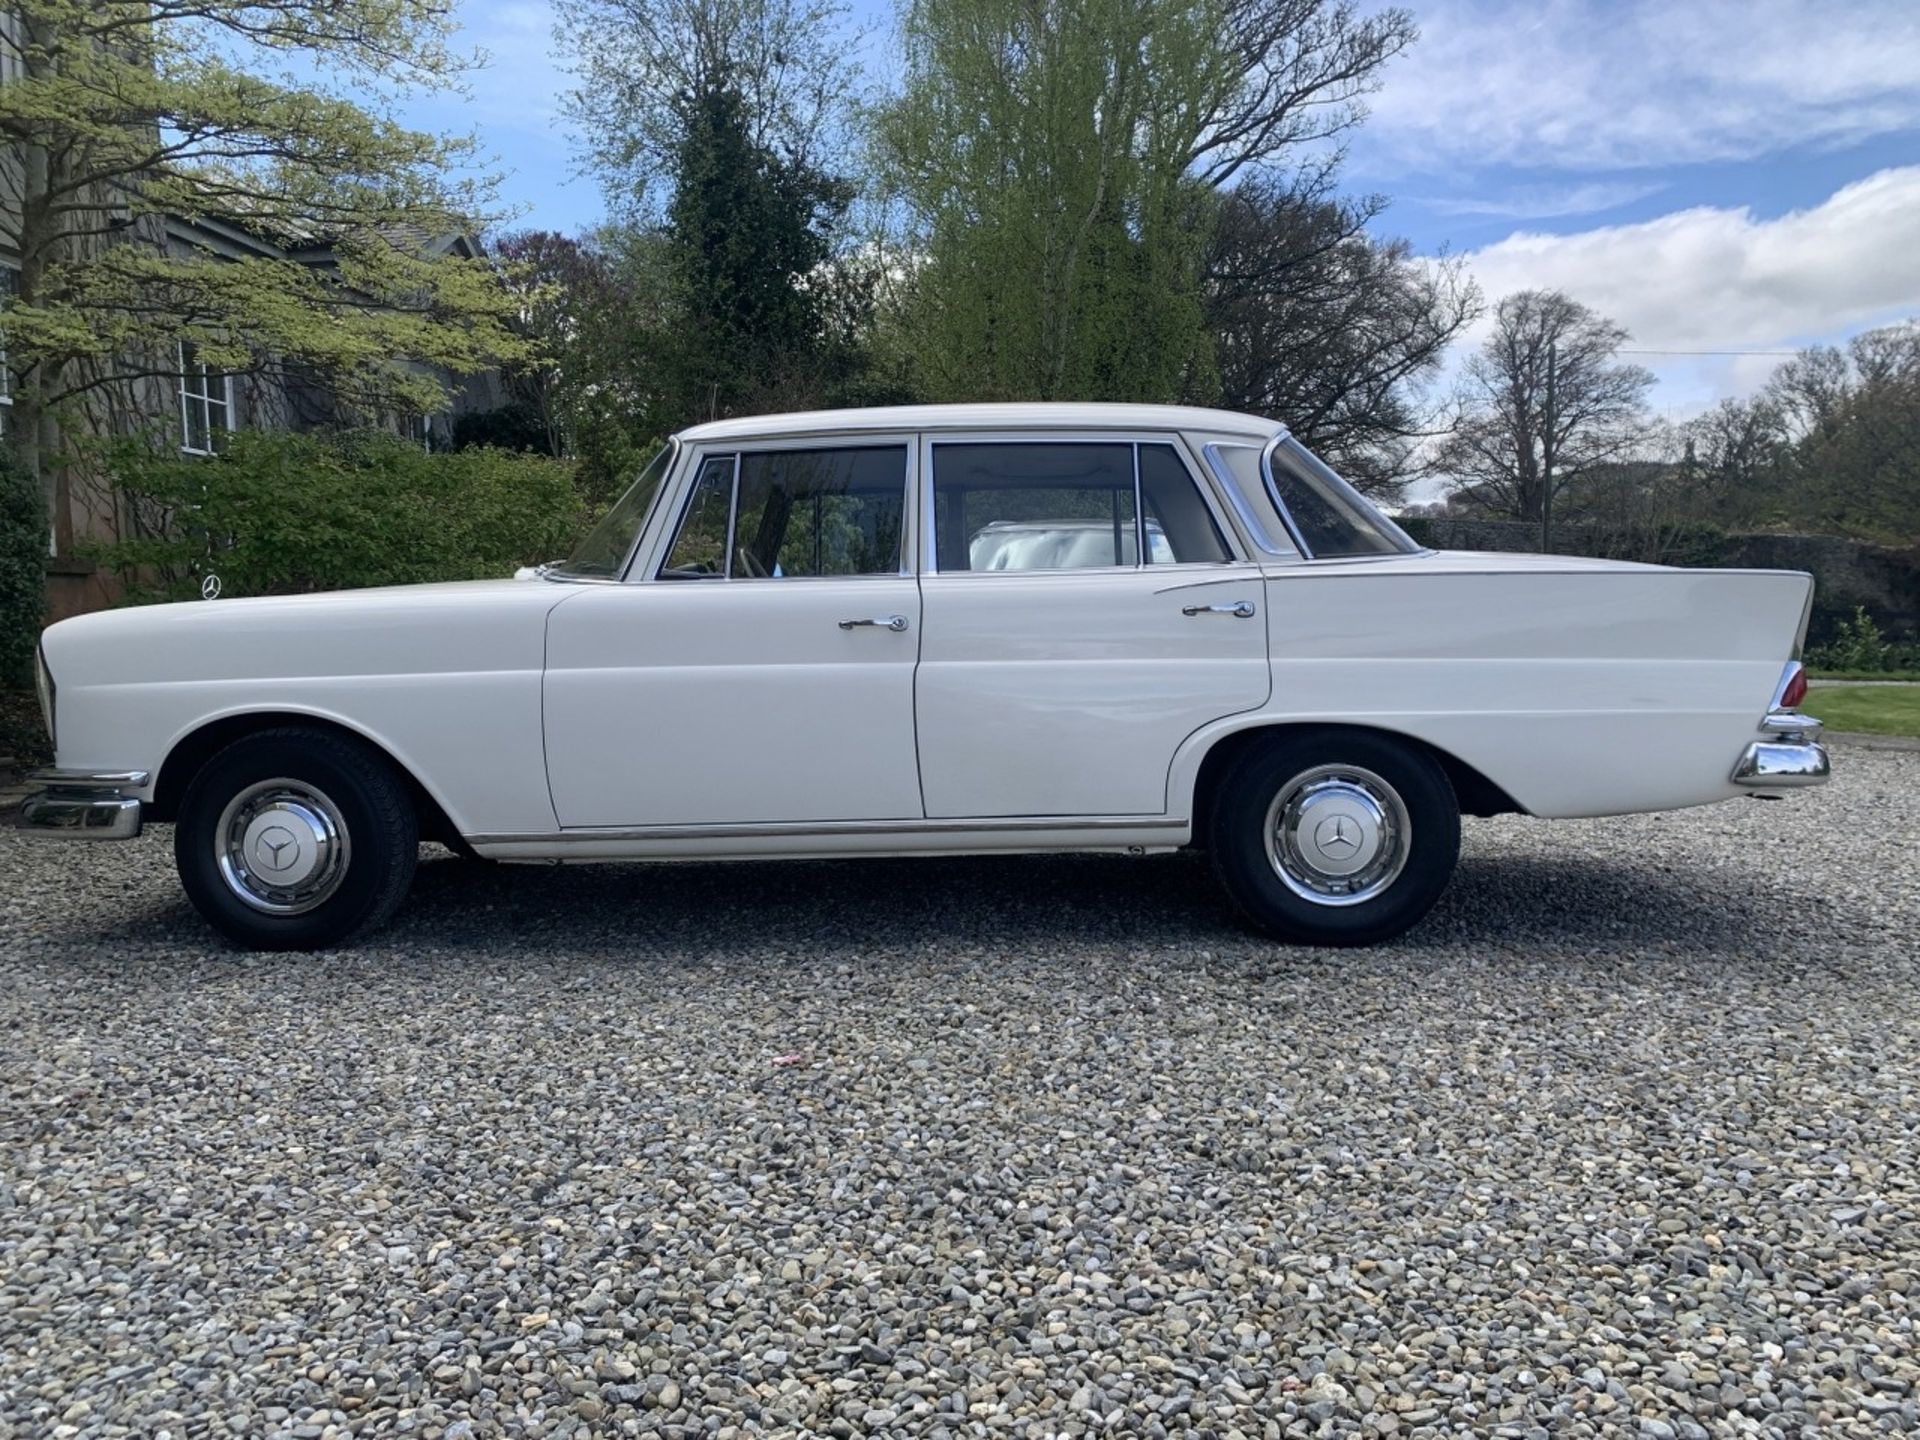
[195,747]
[1208,763]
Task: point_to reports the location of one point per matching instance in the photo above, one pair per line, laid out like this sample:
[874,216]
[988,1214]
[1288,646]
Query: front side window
[1072,505]
[793,514]
[206,403]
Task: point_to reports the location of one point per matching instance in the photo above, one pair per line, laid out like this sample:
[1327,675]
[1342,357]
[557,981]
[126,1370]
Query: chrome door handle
[1239,609]
[885,622]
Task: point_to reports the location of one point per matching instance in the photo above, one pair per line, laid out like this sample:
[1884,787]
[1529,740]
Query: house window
[206,403]
[13,44]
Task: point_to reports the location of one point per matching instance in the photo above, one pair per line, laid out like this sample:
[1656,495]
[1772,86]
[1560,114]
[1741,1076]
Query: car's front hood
[400,629]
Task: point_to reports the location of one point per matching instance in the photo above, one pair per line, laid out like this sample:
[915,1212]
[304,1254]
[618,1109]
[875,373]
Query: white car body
[994,710]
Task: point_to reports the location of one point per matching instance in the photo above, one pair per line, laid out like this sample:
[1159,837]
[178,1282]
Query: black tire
[360,794]
[1348,767]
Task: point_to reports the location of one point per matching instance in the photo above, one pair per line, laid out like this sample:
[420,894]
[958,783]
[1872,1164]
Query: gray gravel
[1622,1140]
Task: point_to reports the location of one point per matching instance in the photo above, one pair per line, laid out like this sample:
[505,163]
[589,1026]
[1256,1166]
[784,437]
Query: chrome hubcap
[282,846]
[1337,835]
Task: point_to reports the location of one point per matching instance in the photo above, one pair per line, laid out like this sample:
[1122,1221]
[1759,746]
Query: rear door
[1084,611]
[764,671]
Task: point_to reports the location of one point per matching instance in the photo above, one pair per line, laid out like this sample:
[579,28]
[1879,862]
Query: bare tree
[1541,406]
[1318,324]
[1297,74]
[1731,457]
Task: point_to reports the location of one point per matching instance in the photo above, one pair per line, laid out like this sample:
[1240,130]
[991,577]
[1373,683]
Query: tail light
[1794,691]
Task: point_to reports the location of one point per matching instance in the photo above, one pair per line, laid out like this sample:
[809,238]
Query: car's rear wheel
[1332,837]
[295,839]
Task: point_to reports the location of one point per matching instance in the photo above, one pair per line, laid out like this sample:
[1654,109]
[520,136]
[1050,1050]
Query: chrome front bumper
[1788,757]
[84,805]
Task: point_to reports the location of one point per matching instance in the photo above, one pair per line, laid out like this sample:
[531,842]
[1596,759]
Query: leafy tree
[643,66]
[1318,323]
[565,294]
[1543,406]
[715,125]
[1058,164]
[127,110]
[746,231]
[1854,418]
[1730,469]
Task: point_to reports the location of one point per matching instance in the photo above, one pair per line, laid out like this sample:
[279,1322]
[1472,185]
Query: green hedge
[23,573]
[279,514]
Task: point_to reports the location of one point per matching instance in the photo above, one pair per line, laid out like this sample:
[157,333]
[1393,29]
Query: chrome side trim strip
[106,779]
[803,830]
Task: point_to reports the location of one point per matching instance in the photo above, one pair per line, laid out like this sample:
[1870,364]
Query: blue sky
[1726,175]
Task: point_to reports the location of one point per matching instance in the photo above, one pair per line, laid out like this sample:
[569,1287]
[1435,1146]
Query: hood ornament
[210,588]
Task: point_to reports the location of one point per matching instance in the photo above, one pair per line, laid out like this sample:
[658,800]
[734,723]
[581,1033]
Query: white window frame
[206,400]
[13,44]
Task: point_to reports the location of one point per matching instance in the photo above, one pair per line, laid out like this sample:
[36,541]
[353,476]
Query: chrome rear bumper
[1788,758]
[84,805]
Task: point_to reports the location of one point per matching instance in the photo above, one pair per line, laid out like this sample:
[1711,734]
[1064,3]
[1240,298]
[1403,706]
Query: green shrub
[23,573]
[278,513]
[1858,645]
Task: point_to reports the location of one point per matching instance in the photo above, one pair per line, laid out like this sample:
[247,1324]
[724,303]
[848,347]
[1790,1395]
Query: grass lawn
[1873,709]
[1816,676]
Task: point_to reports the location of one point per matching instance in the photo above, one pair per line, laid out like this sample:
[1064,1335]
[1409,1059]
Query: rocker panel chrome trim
[802,831]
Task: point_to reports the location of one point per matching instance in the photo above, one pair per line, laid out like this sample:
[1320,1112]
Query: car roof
[1055,416]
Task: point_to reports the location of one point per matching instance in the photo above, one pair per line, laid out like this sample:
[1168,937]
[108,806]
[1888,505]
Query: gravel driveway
[1622,1139]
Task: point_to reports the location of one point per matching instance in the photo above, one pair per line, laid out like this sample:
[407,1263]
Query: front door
[764,671]
[1084,614]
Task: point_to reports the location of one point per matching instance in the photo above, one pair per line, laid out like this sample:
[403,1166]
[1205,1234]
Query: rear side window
[1071,505]
[793,514]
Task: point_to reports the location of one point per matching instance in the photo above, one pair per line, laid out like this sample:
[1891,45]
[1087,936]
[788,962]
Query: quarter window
[793,514]
[1067,506]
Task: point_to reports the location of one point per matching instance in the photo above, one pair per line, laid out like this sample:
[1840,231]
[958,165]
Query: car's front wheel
[1334,837]
[295,839]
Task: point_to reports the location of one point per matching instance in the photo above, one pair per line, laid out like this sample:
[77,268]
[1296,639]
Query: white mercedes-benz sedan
[925,631]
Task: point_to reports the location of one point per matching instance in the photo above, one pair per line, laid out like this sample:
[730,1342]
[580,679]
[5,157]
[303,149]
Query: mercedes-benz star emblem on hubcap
[275,844]
[1338,836]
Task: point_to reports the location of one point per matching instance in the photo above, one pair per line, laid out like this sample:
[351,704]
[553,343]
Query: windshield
[602,555]
[1333,519]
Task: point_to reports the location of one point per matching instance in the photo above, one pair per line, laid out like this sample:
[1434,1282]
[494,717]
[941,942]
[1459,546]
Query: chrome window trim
[930,440]
[1273,494]
[700,452]
[1255,527]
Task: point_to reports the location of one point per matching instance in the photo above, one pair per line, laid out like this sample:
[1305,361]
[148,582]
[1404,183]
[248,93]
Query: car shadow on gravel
[1062,903]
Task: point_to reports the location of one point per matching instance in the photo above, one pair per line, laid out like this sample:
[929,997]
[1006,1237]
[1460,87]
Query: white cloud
[1619,84]
[1547,202]
[1714,279]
